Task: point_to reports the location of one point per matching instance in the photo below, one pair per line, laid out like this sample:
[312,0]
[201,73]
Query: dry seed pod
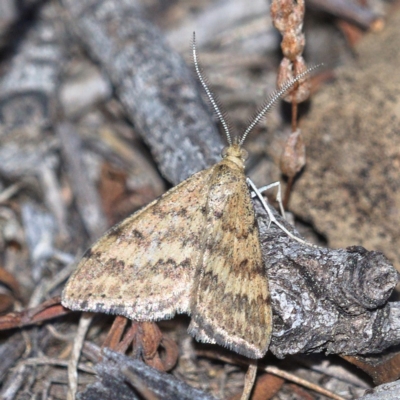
[293,44]
[293,157]
[287,15]
[289,70]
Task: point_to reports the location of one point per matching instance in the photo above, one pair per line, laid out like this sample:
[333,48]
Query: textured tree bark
[328,300]
[323,299]
[387,391]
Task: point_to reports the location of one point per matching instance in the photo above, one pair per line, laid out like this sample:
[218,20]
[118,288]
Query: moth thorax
[235,154]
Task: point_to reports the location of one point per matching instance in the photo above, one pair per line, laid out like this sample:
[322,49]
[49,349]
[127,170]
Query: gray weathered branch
[119,374]
[153,83]
[324,299]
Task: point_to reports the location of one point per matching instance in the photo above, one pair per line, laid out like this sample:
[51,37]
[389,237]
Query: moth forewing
[144,267]
[231,304]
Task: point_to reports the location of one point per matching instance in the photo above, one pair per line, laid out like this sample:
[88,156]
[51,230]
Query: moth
[194,250]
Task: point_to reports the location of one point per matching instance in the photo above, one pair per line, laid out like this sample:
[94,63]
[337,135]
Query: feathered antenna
[274,98]
[272,101]
[209,94]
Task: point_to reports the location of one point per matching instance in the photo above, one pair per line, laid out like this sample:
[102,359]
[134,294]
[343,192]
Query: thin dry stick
[83,327]
[272,370]
[289,185]
[288,190]
[9,192]
[294,115]
[293,378]
[57,362]
[249,381]
[58,335]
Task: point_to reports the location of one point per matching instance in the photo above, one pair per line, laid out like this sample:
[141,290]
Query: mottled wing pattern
[144,267]
[231,303]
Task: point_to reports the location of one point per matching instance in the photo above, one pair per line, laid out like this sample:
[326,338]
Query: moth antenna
[209,93]
[275,96]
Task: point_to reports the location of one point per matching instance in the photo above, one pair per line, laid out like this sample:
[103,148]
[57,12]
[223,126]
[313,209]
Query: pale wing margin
[144,267]
[231,305]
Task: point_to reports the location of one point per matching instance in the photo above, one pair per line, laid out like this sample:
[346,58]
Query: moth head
[235,154]
[235,151]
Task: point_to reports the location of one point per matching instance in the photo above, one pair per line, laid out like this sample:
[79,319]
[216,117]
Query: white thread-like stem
[272,217]
[278,195]
[209,94]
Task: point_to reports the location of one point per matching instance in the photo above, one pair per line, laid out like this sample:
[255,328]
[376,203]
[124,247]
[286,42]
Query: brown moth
[194,250]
